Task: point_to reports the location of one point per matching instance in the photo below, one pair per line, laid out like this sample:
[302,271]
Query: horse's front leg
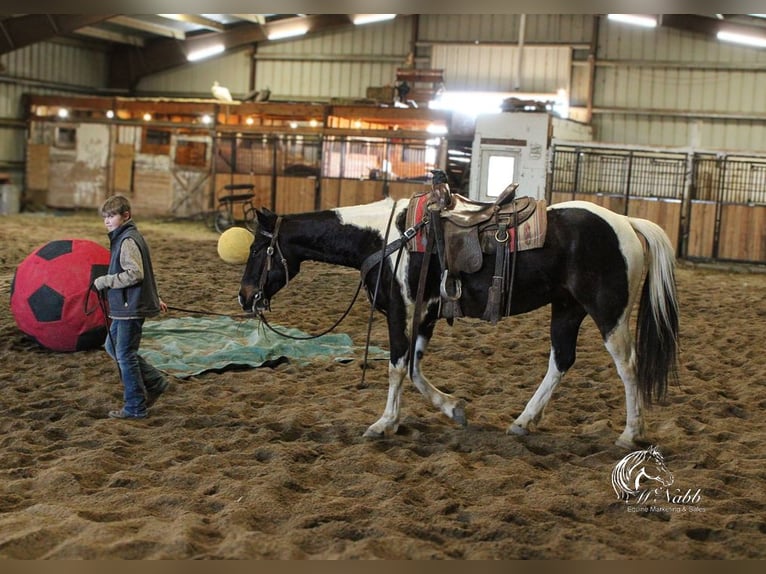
[388,423]
[453,407]
[449,405]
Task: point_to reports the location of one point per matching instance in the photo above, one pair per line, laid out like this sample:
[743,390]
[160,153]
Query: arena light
[207,52]
[745,39]
[361,19]
[634,19]
[281,34]
[436,129]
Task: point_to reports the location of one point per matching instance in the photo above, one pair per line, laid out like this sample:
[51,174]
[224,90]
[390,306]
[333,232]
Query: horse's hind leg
[620,345]
[566,318]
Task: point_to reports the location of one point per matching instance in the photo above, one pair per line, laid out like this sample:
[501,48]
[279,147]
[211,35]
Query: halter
[268,264]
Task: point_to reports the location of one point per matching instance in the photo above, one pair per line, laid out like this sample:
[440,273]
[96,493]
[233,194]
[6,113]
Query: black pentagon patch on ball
[46,304]
[55,249]
[91,339]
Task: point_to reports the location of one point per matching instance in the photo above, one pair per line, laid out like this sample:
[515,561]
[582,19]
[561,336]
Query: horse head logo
[638,470]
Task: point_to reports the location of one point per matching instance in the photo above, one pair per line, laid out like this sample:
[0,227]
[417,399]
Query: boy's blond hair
[117,204]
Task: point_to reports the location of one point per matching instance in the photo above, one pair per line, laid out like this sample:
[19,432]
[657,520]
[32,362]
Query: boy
[132,296]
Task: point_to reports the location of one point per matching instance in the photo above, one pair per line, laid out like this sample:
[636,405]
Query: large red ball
[51,298]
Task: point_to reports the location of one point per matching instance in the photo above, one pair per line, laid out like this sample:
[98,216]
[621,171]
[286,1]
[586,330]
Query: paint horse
[592,262]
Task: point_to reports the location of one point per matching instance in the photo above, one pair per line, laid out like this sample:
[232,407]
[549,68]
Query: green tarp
[189,346]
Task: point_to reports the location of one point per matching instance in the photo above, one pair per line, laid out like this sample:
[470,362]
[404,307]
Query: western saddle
[463,231]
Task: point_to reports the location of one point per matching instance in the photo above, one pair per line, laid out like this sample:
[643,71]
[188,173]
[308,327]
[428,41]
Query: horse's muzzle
[254,303]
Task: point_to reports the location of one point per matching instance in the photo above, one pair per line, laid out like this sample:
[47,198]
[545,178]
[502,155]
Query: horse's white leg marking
[449,405]
[533,412]
[388,423]
[619,343]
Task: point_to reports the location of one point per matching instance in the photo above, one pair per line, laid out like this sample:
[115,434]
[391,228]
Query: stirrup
[443,287]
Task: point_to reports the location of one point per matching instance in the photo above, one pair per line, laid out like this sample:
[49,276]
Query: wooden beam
[150,27]
[254,18]
[110,36]
[20,31]
[196,19]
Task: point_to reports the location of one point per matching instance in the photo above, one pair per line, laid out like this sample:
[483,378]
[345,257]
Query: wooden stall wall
[152,185]
[67,164]
[170,162]
[122,168]
[742,233]
[295,194]
[192,169]
[405,189]
[701,236]
[727,205]
[712,206]
[37,179]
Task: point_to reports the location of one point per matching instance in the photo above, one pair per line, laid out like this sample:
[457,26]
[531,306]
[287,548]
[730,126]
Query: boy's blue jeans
[138,376]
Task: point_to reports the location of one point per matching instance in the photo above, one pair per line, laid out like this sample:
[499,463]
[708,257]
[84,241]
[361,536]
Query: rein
[276,331]
[267,266]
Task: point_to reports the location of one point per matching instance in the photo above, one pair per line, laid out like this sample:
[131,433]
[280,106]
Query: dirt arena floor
[271,463]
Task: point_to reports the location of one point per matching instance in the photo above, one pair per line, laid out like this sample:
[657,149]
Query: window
[156,141]
[66,137]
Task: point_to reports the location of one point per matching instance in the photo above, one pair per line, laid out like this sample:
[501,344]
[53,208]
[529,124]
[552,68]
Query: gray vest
[141,299]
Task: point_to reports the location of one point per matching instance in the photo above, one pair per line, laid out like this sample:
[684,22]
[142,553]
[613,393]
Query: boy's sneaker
[122,414]
[151,398]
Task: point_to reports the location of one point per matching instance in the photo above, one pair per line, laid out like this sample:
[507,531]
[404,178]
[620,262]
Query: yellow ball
[234,245]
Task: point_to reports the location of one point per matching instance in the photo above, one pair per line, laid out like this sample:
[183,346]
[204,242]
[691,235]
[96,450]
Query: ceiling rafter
[130,63]
[200,21]
[254,18]
[151,27]
[21,31]
[111,36]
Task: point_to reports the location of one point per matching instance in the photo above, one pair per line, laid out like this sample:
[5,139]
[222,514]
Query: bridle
[268,265]
[274,251]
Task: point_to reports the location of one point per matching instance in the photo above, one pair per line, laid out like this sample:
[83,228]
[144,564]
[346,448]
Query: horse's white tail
[657,323]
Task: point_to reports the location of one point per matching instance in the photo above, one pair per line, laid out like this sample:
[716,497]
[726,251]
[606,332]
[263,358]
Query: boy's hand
[99,283]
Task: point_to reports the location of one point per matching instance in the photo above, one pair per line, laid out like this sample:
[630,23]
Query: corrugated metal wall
[574,29]
[195,80]
[338,64]
[661,87]
[667,87]
[46,68]
[494,68]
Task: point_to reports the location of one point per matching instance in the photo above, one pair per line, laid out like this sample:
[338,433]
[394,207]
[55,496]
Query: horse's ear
[266,217]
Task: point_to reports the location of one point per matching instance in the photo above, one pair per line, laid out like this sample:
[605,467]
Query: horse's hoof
[372,433]
[517,430]
[458,414]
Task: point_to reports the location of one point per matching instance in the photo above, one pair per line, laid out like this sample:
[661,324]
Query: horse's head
[266,271]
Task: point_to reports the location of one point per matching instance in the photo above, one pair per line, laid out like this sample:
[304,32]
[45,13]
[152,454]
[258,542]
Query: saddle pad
[531,232]
[415,211]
